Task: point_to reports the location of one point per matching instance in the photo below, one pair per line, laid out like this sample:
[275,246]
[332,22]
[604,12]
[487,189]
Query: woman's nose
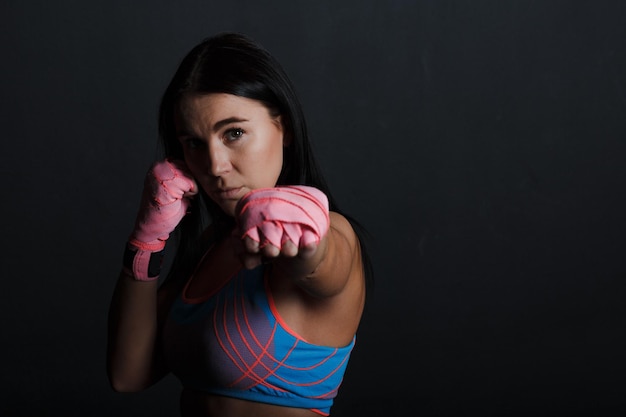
[219,159]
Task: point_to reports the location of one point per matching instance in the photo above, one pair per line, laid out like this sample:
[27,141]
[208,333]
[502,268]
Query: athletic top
[234,343]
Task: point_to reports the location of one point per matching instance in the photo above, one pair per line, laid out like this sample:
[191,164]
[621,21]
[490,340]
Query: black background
[482,143]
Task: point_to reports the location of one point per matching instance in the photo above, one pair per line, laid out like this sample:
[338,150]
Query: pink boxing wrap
[163,204]
[274,215]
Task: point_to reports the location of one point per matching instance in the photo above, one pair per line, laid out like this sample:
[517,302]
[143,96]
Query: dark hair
[232,63]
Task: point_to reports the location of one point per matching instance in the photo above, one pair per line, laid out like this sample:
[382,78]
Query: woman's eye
[234,134]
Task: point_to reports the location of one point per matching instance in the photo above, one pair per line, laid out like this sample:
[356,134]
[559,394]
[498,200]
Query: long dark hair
[232,63]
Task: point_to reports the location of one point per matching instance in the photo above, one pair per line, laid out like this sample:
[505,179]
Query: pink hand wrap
[275,215]
[164,203]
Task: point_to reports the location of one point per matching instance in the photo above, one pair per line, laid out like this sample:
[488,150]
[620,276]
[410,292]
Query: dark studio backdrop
[482,143]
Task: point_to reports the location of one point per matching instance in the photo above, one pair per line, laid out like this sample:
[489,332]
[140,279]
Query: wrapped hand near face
[168,187]
[288,221]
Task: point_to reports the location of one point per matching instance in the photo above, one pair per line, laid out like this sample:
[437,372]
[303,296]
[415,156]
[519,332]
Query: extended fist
[288,220]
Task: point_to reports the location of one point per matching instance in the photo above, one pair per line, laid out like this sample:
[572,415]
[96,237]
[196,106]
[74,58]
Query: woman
[259,311]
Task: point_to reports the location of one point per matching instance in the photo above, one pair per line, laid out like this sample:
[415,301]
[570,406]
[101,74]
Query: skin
[233,145]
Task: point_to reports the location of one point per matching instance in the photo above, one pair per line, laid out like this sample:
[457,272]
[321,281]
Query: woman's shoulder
[342,227]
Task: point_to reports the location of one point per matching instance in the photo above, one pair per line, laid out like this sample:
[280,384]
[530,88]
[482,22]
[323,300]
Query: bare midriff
[200,404]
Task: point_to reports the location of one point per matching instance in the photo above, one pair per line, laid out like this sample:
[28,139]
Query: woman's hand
[168,189]
[286,221]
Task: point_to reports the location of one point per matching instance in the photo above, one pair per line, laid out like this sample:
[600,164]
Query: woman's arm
[137,309]
[324,270]
[136,315]
[132,358]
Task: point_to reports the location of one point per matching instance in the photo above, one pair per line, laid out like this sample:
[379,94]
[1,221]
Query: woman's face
[231,144]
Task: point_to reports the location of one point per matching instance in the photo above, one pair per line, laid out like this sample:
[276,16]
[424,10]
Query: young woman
[259,311]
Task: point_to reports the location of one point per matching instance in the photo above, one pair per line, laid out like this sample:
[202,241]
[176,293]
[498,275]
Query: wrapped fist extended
[276,216]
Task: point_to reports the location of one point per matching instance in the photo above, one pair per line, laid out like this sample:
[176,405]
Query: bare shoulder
[342,226]
[345,242]
[341,268]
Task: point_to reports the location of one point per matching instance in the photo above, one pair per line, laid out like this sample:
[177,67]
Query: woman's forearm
[132,355]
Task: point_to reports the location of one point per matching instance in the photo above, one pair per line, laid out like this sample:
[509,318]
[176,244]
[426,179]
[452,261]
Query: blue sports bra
[234,343]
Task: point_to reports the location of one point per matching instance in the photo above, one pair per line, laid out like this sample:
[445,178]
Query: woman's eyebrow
[185,131]
[218,125]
